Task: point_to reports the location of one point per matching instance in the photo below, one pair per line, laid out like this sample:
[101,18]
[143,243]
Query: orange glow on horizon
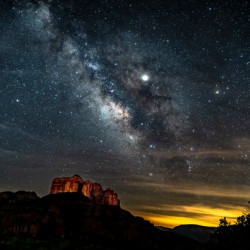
[199,215]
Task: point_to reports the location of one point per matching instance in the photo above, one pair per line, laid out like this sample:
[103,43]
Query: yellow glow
[200,215]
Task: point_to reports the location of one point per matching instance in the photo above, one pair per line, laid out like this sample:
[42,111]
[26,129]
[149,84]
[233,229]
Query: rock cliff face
[90,189]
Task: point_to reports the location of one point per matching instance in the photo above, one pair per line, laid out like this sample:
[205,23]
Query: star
[145,77]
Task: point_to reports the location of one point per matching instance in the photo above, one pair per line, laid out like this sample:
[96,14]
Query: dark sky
[150,98]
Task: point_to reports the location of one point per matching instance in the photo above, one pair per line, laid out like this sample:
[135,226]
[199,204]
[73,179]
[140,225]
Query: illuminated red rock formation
[110,197]
[90,189]
[97,192]
[73,184]
[93,190]
[58,185]
[87,188]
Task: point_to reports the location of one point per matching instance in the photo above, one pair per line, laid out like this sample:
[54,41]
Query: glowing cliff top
[90,189]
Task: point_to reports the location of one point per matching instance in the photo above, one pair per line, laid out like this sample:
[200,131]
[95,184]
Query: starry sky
[150,98]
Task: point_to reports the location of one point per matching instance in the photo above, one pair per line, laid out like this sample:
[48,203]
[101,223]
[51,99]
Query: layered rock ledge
[93,190]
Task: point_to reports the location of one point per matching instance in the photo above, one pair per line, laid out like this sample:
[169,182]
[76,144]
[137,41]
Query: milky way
[149,97]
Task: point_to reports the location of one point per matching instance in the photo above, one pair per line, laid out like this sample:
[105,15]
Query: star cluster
[149,97]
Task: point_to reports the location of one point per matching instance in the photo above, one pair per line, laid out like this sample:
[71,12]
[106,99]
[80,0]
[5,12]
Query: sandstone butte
[90,189]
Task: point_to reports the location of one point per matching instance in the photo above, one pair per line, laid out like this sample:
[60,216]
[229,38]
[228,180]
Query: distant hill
[166,229]
[73,221]
[196,232]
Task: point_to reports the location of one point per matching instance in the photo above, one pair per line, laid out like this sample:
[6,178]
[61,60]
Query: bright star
[145,77]
[131,137]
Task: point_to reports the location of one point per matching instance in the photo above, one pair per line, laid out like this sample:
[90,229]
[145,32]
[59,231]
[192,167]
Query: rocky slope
[77,222]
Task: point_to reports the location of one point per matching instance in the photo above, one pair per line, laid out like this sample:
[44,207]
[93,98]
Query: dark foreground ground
[72,221]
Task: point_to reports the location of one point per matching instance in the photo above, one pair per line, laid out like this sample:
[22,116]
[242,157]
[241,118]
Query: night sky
[150,98]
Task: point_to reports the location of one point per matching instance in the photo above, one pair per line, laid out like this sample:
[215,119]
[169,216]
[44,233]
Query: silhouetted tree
[233,236]
[224,222]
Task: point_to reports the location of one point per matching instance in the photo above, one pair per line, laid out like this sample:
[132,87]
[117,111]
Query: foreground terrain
[73,221]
